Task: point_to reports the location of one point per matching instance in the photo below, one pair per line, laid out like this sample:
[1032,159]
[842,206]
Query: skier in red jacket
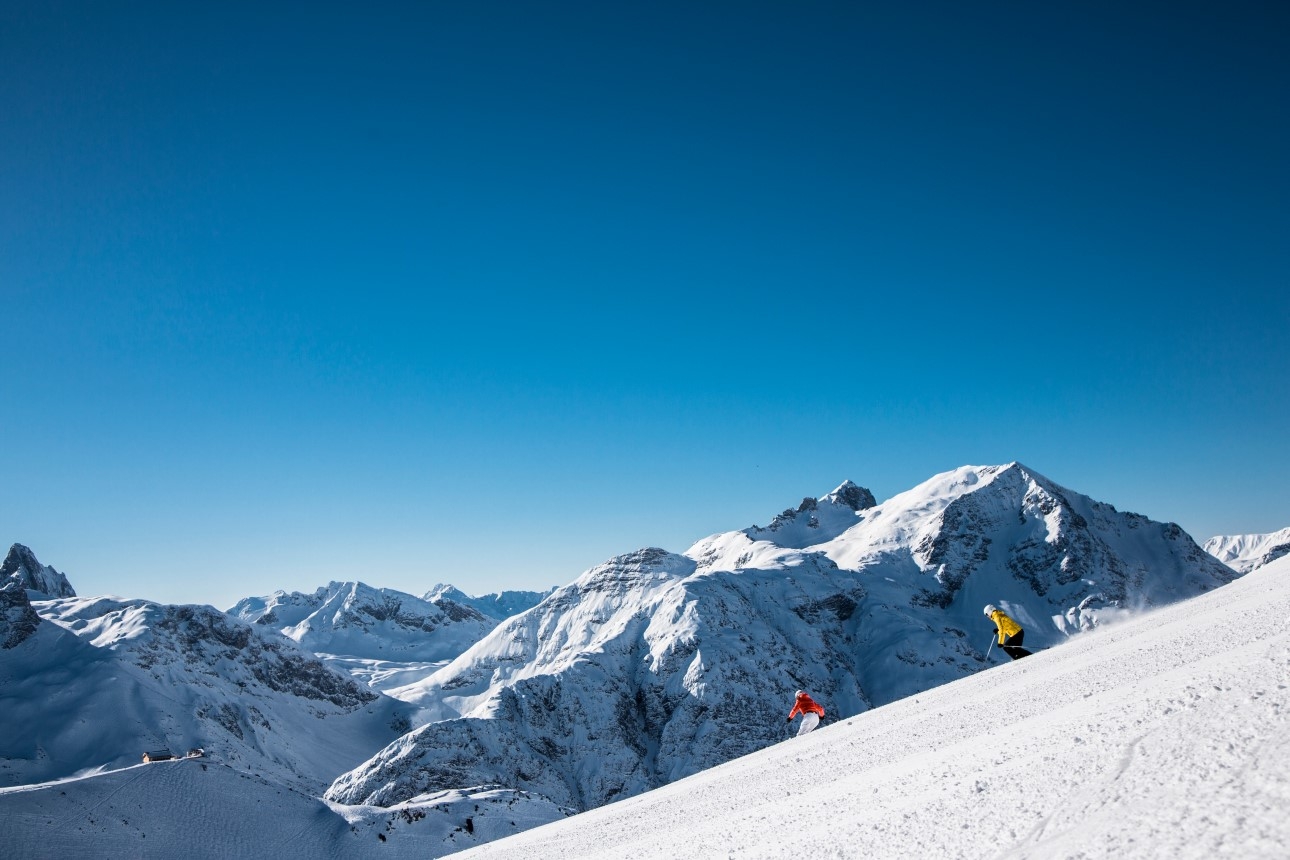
[811,713]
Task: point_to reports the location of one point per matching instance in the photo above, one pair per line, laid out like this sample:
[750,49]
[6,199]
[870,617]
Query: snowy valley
[369,720]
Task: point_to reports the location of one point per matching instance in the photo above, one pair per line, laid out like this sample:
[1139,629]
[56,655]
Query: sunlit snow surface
[1164,736]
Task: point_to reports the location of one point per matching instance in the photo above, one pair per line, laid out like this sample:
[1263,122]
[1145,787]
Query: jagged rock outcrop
[21,566]
[18,621]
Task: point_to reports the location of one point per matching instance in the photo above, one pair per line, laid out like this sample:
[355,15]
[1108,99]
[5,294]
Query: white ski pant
[809,721]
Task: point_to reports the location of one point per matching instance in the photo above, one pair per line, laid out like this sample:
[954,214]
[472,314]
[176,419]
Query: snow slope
[203,808]
[655,666]
[99,680]
[1167,735]
[1247,552]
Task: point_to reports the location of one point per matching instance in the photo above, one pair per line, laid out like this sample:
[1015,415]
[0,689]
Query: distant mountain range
[498,606]
[650,667]
[357,620]
[1244,553]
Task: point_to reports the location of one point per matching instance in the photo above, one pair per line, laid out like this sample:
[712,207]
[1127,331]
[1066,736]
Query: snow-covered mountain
[356,620]
[1159,735]
[498,606]
[41,581]
[18,620]
[815,521]
[1244,553]
[91,683]
[1165,736]
[655,666]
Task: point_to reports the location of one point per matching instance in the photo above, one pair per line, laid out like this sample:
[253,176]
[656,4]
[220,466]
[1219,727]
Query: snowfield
[203,808]
[1164,736]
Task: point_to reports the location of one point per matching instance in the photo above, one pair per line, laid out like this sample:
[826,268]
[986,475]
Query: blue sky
[487,293]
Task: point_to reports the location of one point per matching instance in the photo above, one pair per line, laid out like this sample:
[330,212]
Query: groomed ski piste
[1167,735]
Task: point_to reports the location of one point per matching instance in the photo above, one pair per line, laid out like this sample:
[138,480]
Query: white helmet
[990,609]
[799,694]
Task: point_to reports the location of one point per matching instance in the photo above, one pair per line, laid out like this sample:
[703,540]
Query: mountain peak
[852,495]
[815,521]
[22,567]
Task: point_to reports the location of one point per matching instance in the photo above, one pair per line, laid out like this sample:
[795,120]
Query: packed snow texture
[1244,553]
[655,666]
[1167,735]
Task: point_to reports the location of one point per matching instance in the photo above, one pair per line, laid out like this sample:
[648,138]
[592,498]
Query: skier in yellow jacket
[1009,632]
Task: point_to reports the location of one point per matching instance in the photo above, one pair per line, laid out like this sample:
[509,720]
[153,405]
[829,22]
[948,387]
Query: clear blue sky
[489,292]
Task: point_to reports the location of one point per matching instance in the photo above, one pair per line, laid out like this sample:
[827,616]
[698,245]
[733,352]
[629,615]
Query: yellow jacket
[1006,626]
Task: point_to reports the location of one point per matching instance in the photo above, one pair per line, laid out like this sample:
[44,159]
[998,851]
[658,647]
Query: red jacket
[805,705]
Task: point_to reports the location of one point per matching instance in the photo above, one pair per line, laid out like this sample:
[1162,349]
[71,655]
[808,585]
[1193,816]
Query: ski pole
[988,650]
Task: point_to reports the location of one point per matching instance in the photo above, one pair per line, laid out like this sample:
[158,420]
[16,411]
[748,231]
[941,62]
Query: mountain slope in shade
[655,666]
[1245,553]
[21,566]
[356,620]
[203,808]
[100,680]
[1164,736]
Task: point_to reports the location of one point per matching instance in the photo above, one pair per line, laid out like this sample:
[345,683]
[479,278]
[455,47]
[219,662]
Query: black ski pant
[1012,645]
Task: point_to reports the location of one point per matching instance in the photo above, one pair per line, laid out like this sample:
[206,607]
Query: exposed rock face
[854,497]
[21,566]
[18,621]
[205,635]
[654,665]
